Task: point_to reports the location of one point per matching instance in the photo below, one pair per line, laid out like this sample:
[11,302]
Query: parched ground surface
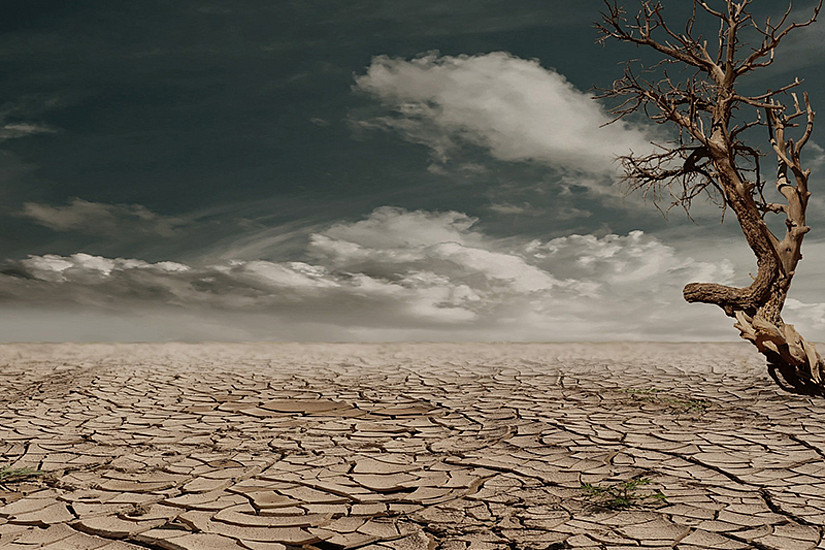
[413,446]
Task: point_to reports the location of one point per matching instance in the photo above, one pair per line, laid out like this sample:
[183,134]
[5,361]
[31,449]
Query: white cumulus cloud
[517,109]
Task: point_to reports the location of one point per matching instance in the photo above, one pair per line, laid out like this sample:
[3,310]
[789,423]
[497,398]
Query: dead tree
[712,154]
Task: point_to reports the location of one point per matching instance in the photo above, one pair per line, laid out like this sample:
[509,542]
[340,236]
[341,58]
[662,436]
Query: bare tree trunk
[757,308]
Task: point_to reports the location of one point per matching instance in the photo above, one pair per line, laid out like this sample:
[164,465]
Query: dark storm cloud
[179,106]
[191,169]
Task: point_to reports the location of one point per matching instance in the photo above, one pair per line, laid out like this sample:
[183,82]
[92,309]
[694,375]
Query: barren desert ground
[405,446]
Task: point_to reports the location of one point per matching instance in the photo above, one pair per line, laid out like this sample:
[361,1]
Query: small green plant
[680,405]
[12,475]
[686,405]
[622,494]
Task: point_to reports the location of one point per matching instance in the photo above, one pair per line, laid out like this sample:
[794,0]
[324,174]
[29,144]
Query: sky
[369,170]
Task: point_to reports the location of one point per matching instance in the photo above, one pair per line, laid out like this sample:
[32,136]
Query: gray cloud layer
[396,274]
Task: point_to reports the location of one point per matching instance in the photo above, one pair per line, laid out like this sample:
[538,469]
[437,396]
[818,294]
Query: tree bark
[757,308]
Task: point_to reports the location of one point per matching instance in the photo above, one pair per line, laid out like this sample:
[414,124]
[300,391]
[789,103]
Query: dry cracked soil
[407,446]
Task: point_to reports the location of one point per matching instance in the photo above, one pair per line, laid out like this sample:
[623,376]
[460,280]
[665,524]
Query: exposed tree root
[788,354]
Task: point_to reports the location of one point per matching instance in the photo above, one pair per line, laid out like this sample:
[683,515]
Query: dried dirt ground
[408,446]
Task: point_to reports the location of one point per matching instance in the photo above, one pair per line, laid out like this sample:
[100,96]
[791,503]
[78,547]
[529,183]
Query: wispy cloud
[398,274]
[524,209]
[23,129]
[18,118]
[517,109]
[101,218]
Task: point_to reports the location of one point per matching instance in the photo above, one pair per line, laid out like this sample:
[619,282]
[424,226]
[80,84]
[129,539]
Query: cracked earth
[408,446]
